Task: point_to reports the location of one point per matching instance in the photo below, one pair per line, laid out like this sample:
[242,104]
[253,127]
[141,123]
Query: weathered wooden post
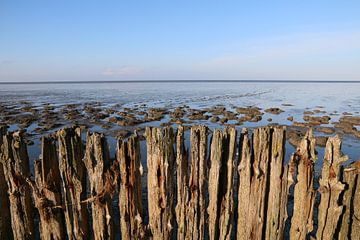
[278,187]
[190,209]
[244,185]
[102,187]
[349,225]
[15,163]
[355,221]
[253,181]
[72,172]
[259,181]
[304,194]
[160,181]
[330,189]
[263,184]
[130,204]
[182,178]
[47,191]
[5,218]
[221,180]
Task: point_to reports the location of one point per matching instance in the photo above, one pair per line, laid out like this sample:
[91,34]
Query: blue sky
[118,40]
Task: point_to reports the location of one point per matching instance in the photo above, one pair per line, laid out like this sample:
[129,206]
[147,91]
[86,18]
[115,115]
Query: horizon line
[178,81]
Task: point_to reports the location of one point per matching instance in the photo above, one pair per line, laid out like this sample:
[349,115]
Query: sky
[180,40]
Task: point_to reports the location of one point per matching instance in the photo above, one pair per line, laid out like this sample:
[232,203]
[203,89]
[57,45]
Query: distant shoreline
[180,81]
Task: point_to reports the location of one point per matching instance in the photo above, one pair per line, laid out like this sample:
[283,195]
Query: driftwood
[47,191]
[72,171]
[330,189]
[349,226]
[278,187]
[15,163]
[160,182]
[5,218]
[221,179]
[304,194]
[130,205]
[97,163]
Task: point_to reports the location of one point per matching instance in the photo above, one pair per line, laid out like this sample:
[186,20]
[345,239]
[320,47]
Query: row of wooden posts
[235,186]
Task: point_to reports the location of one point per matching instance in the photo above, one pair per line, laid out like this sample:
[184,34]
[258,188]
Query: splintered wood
[190,208]
[330,189]
[182,185]
[263,186]
[5,218]
[221,179]
[130,204]
[102,188]
[160,181]
[244,185]
[349,221]
[278,187]
[16,168]
[72,172]
[47,191]
[302,162]
[195,206]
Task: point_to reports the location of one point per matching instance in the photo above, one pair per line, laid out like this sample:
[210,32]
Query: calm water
[331,97]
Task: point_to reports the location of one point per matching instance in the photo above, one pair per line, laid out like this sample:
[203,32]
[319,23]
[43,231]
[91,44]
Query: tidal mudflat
[117,109]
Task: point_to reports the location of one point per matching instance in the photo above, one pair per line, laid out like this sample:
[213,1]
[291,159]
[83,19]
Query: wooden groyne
[224,184]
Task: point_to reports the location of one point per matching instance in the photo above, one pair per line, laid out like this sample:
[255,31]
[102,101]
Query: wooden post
[102,187]
[47,191]
[349,178]
[5,218]
[191,188]
[182,178]
[259,182]
[196,206]
[221,180]
[330,189]
[15,162]
[72,171]
[355,221]
[130,204]
[160,181]
[244,185]
[349,226]
[304,194]
[263,184]
[278,187]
